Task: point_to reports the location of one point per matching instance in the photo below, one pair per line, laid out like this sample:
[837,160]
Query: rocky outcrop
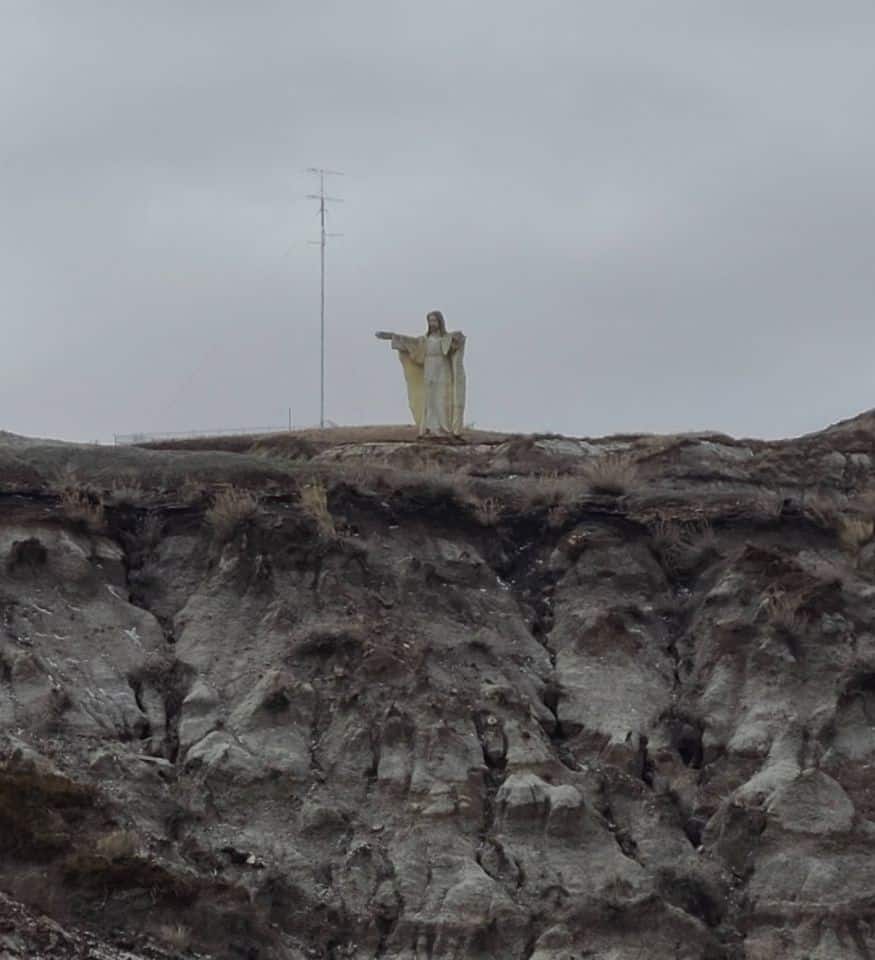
[494,703]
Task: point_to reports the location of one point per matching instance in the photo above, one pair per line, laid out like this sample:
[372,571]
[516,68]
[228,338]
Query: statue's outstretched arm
[403,344]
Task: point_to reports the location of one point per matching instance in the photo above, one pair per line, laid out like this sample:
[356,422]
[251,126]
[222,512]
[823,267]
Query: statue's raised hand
[383,335]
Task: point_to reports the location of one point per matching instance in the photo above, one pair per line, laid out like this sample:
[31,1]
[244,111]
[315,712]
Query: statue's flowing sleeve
[411,353]
[459,382]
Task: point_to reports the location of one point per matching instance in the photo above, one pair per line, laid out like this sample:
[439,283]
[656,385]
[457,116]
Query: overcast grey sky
[645,214]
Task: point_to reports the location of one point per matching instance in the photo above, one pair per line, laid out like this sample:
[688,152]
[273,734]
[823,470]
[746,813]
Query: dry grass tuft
[554,489]
[79,500]
[118,845]
[193,491]
[284,448]
[67,477]
[488,511]
[83,507]
[314,503]
[852,520]
[612,474]
[824,509]
[231,508]
[784,615]
[683,549]
[175,935]
[127,491]
[853,533]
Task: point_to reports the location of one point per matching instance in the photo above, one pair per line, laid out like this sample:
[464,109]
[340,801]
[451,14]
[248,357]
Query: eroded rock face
[548,735]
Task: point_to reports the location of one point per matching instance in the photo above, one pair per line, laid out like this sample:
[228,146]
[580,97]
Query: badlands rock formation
[526,698]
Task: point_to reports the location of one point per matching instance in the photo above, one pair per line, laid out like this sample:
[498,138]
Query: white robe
[437,379]
[435,372]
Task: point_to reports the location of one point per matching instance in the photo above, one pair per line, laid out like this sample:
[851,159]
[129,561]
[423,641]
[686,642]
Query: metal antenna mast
[323,199]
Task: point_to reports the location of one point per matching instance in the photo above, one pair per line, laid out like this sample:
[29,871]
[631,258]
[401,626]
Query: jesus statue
[435,373]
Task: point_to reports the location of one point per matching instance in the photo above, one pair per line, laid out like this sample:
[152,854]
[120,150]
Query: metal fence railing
[133,438]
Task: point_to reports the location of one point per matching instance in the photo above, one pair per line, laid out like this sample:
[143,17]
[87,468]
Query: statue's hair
[442,324]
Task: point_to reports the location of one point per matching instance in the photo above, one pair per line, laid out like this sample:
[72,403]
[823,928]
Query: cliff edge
[346,694]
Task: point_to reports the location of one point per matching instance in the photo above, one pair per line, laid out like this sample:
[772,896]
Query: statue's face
[433,325]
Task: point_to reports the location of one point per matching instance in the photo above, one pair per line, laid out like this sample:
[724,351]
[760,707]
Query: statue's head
[436,323]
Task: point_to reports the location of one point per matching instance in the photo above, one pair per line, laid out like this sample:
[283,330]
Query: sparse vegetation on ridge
[84,507]
[231,508]
[683,549]
[613,475]
[127,491]
[314,503]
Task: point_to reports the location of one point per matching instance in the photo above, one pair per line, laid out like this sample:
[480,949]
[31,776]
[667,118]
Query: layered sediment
[351,695]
